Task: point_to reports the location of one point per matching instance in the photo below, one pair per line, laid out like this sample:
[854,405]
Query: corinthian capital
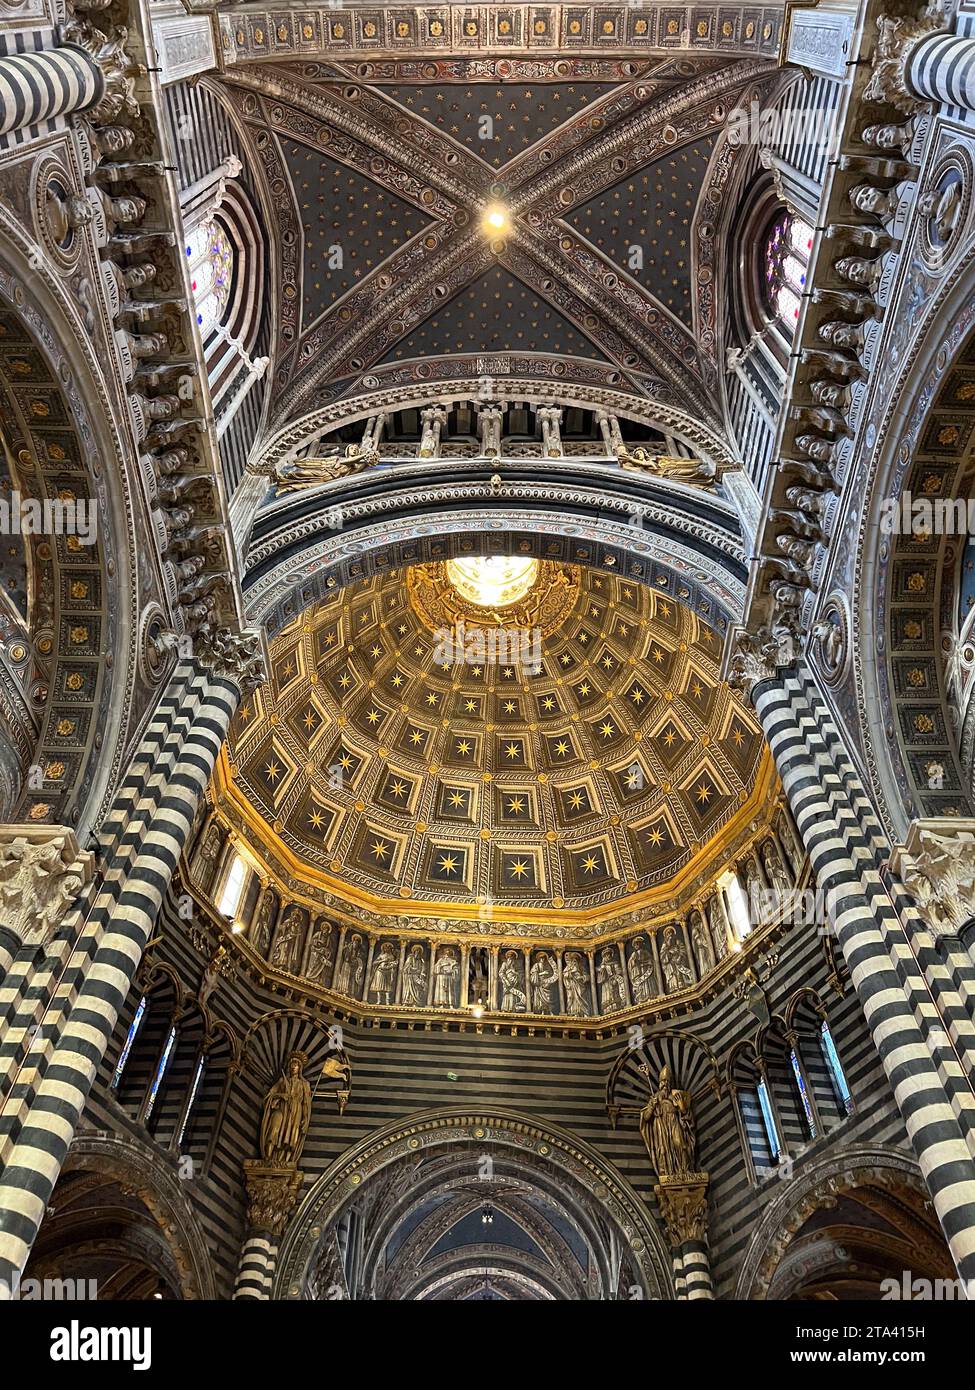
[936,864]
[117,68]
[237,656]
[758,656]
[897,37]
[42,871]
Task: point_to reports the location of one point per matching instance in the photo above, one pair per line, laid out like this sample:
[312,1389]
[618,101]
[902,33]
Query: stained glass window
[157,1080]
[835,1069]
[803,1095]
[787,250]
[134,1027]
[768,1119]
[197,1078]
[210,257]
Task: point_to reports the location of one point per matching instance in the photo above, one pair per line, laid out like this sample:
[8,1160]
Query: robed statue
[293,474]
[682,470]
[667,1129]
[287,1113]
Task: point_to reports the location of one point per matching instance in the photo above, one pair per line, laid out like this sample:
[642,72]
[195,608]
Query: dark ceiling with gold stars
[610,194]
[566,778]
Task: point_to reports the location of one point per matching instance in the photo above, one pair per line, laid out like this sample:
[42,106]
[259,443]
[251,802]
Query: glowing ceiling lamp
[493,581]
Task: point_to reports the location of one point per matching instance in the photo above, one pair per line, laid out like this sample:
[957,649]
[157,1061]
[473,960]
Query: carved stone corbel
[897,37]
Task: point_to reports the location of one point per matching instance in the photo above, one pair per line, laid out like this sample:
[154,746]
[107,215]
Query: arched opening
[452,1206]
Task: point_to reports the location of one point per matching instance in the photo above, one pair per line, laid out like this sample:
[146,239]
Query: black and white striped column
[36,87]
[941,67]
[847,847]
[695,1267]
[257,1259]
[54,1066]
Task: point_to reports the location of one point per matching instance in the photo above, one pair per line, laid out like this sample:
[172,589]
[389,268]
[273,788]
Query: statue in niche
[575,977]
[754,891]
[701,941]
[383,982]
[415,977]
[677,972]
[513,997]
[642,971]
[351,969]
[775,870]
[286,940]
[719,926]
[446,974]
[320,951]
[295,474]
[477,975]
[209,854]
[663,466]
[287,1113]
[667,1128]
[261,934]
[543,975]
[612,987]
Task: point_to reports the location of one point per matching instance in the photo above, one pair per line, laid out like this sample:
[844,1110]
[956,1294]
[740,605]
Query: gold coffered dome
[513,743]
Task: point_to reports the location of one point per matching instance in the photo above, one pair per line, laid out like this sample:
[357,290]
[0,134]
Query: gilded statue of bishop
[667,1129]
[287,1113]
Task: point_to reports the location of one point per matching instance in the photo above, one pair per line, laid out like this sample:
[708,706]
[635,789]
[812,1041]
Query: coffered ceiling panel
[402,757]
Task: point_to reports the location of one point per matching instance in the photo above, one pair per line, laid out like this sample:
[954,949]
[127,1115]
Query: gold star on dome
[448,864]
[432,698]
[591,863]
[418,650]
[475,670]
[565,658]
[561,748]
[508,674]
[402,630]
[416,737]
[548,703]
[316,819]
[637,695]
[512,750]
[575,801]
[704,793]
[329,639]
[309,720]
[373,716]
[669,738]
[583,689]
[657,655]
[375,652]
[738,736]
[463,747]
[345,680]
[470,706]
[518,869]
[655,836]
[380,849]
[516,805]
[697,689]
[509,706]
[607,730]
[272,772]
[607,662]
[397,788]
[456,799]
[345,762]
[397,680]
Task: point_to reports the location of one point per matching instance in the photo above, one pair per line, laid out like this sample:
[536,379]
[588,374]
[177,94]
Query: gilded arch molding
[556,1148]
